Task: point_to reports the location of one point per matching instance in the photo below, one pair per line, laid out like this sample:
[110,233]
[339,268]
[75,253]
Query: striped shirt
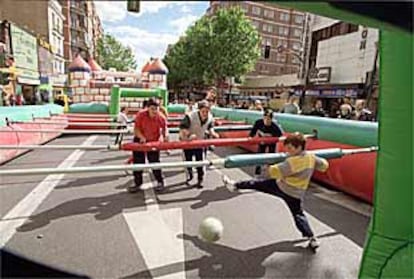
[295,172]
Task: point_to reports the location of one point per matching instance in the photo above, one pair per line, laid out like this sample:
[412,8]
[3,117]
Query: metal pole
[98,124]
[60,147]
[133,167]
[123,131]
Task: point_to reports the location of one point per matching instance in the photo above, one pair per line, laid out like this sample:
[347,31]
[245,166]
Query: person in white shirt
[122,119]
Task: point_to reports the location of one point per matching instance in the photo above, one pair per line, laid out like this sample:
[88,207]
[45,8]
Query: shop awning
[28,81]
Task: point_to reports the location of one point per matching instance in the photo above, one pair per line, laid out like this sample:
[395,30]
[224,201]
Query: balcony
[78,8]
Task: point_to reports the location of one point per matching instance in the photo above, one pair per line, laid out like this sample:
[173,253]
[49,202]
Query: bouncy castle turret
[158,74]
[80,74]
[145,74]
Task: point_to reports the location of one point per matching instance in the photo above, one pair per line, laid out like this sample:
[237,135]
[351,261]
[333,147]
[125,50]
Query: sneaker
[160,186]
[133,189]
[313,243]
[199,184]
[189,177]
[229,183]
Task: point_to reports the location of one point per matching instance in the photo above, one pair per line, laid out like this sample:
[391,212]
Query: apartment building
[82,29]
[42,20]
[278,27]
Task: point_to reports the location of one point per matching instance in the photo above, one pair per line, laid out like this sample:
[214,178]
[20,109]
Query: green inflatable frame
[118,92]
[388,251]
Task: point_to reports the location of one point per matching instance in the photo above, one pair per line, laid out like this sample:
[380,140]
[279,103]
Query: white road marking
[11,221]
[156,234]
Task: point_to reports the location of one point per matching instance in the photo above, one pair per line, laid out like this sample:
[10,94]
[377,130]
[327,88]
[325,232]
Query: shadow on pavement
[352,224]
[227,262]
[86,181]
[204,198]
[122,158]
[102,207]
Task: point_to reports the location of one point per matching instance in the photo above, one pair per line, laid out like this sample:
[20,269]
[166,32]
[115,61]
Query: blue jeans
[269,186]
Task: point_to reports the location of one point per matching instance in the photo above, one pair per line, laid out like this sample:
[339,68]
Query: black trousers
[262,149]
[119,137]
[198,154]
[269,186]
[139,158]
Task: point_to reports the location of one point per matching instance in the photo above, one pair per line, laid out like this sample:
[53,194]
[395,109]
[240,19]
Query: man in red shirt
[150,125]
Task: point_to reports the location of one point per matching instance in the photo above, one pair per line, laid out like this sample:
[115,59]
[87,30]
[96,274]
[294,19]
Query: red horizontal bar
[193,144]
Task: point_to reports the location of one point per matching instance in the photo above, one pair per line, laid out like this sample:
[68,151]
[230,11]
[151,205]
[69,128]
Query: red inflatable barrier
[152,146]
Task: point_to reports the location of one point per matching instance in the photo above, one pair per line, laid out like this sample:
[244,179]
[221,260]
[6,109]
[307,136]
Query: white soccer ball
[211,229]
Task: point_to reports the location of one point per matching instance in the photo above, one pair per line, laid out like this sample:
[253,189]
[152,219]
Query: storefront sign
[24,48]
[322,74]
[332,93]
[364,35]
[45,62]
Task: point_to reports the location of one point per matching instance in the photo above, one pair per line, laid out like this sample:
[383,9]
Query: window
[283,31]
[296,46]
[297,32]
[256,10]
[298,19]
[268,13]
[281,58]
[267,41]
[53,21]
[267,28]
[284,17]
[295,60]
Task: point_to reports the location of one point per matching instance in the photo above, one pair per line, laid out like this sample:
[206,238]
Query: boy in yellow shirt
[289,181]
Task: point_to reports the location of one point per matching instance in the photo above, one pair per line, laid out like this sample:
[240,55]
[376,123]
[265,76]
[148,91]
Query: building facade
[277,27]
[56,38]
[343,61]
[82,29]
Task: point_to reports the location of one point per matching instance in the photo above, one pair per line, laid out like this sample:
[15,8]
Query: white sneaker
[313,243]
[229,183]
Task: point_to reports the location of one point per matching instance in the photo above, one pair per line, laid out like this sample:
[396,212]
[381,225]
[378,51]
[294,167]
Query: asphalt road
[89,224]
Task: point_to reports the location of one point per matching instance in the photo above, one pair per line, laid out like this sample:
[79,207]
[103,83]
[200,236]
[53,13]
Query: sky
[149,32]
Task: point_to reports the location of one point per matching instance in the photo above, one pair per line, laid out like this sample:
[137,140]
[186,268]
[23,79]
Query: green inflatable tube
[117,93]
[26,113]
[356,133]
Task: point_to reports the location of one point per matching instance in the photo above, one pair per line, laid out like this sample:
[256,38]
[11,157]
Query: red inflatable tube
[153,146]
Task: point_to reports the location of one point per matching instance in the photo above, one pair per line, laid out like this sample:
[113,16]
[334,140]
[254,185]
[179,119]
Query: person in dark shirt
[266,127]
[317,109]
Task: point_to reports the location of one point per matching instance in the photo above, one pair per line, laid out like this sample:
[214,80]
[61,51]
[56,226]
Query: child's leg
[295,206]
[262,185]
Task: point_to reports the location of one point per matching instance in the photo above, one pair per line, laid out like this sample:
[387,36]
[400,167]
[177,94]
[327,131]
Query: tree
[235,45]
[112,54]
[224,45]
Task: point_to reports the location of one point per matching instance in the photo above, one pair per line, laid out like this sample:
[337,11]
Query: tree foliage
[112,54]
[224,45]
